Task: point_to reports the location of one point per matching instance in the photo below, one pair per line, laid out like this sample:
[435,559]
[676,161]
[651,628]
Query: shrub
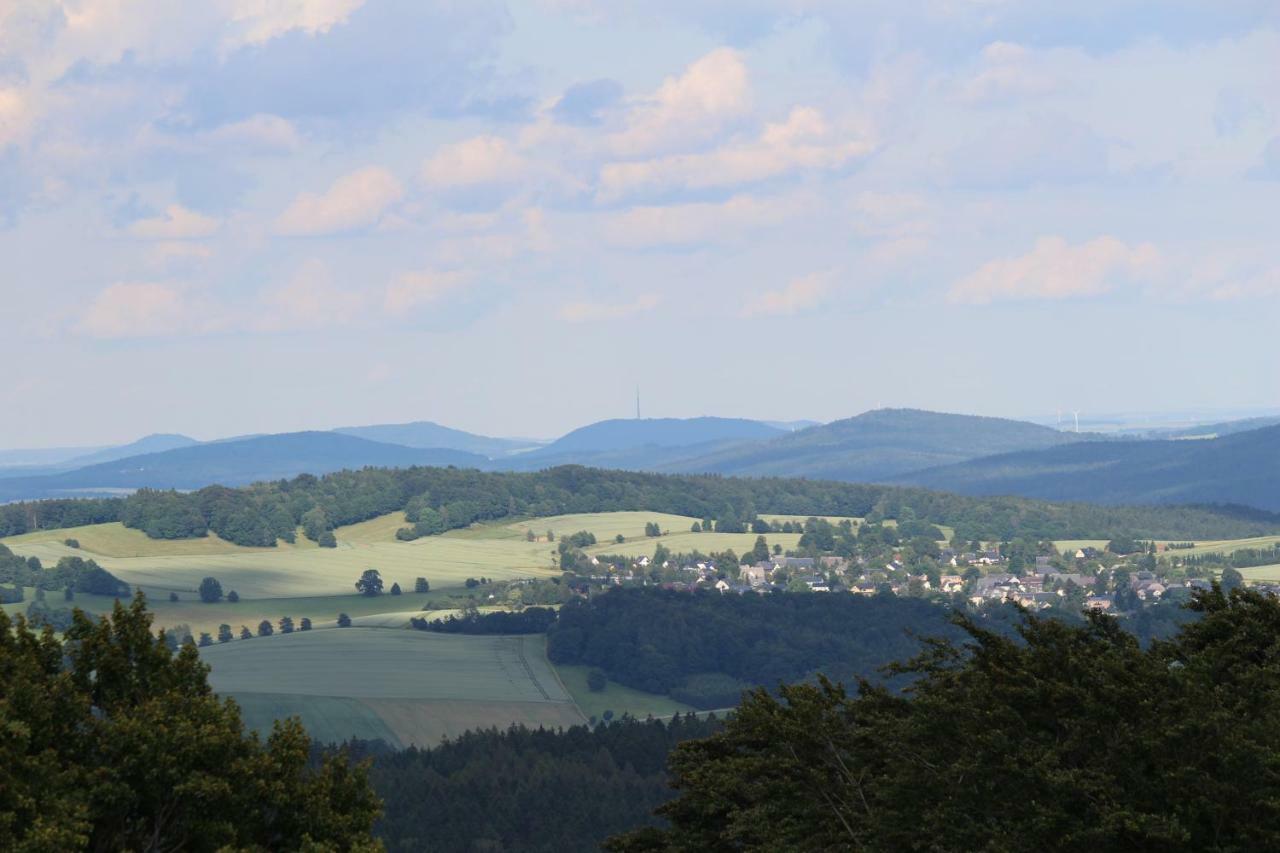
[597,680]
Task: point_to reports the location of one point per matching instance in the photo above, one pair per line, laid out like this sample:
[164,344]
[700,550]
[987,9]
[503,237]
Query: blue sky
[265,215]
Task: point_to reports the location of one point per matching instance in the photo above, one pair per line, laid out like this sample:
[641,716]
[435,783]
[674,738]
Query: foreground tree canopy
[1057,738]
[109,741]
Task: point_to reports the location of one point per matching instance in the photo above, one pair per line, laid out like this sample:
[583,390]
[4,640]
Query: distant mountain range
[1240,468]
[232,463]
[876,445]
[425,434]
[955,453]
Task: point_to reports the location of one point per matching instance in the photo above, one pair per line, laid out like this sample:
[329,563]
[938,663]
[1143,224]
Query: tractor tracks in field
[524,663]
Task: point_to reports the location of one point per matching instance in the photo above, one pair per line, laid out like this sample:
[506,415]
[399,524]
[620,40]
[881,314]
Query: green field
[685,543]
[1269,574]
[621,700]
[421,686]
[1225,546]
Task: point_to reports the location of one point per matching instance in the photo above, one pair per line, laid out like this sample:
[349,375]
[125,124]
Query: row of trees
[438,499]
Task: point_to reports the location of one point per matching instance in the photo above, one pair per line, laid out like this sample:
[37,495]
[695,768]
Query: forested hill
[437,499]
[1242,468]
[232,463]
[877,445]
[425,434]
[642,443]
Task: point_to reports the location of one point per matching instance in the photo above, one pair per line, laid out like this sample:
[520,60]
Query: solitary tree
[395,589]
[233,596]
[210,591]
[205,639]
[596,680]
[173,596]
[286,624]
[68,594]
[344,621]
[224,633]
[304,624]
[265,629]
[370,583]
[245,633]
[421,585]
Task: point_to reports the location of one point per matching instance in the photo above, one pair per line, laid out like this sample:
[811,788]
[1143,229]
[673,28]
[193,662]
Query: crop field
[615,697]
[604,525]
[421,686]
[116,540]
[1225,546]
[1270,574]
[291,571]
[685,543]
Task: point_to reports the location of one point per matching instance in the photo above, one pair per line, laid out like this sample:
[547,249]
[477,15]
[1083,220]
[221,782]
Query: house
[755,575]
[722,586]
[1098,602]
[793,563]
[817,583]
[950,583]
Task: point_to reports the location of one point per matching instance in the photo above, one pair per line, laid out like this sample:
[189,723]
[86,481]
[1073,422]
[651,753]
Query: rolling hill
[232,463]
[426,434]
[1240,468]
[642,444]
[877,445]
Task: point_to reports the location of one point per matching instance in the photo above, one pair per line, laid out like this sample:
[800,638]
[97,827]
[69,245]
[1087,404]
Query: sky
[242,216]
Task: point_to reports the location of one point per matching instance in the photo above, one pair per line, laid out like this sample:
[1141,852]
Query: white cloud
[357,200]
[414,289]
[800,294]
[1053,269]
[592,312]
[15,117]
[689,107]
[259,21]
[1008,71]
[137,310]
[177,223]
[803,141]
[259,132]
[698,223]
[479,160]
[308,301]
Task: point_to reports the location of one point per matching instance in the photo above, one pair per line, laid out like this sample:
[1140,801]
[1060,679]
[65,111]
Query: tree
[395,589]
[210,591]
[370,583]
[286,624]
[596,680]
[813,767]
[233,596]
[1231,578]
[696,527]
[265,629]
[119,744]
[327,540]
[760,553]
[205,639]
[224,633]
[68,594]
[421,585]
[530,536]
[245,633]
[652,528]
[344,621]
[304,624]
[173,596]
[619,539]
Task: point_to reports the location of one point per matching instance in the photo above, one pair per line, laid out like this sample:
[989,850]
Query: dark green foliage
[224,633]
[395,589]
[344,621]
[531,620]
[581,539]
[421,585]
[449,498]
[597,681]
[265,629]
[662,641]
[112,742]
[75,573]
[1118,747]
[210,590]
[327,540]
[205,639]
[537,791]
[652,528]
[245,633]
[304,624]
[71,543]
[370,583]
[233,596]
[286,624]
[173,596]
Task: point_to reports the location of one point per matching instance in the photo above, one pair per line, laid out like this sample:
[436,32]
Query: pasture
[686,543]
[420,686]
[615,697]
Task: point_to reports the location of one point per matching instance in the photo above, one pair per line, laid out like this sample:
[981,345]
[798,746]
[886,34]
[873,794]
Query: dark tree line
[73,573]
[532,790]
[531,620]
[1060,737]
[705,648]
[113,742]
[439,499]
